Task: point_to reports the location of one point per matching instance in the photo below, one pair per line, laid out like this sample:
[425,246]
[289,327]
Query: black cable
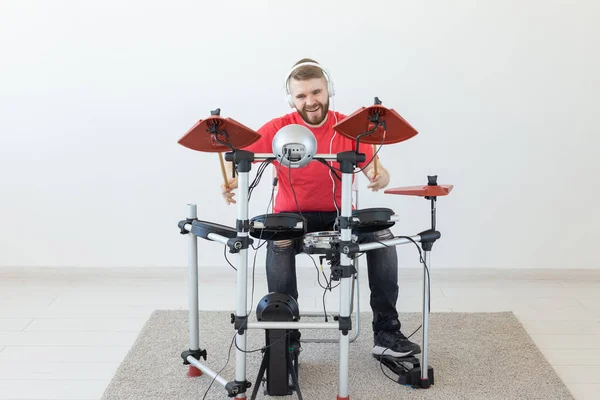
[267,211]
[325,288]
[372,158]
[422,260]
[382,370]
[254,184]
[317,268]
[253,281]
[213,130]
[255,254]
[226,259]
[257,178]
[253,269]
[416,330]
[402,365]
[376,152]
[334,170]
[261,169]
[219,373]
[337,207]
[324,306]
[294,191]
[264,347]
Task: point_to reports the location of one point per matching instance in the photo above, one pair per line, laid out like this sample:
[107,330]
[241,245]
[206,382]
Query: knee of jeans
[282,246]
[384,234]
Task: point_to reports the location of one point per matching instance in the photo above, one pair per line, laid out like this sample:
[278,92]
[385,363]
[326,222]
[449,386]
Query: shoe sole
[385,351]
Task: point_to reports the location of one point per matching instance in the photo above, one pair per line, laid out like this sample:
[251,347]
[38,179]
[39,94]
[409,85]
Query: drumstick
[374,161]
[223,170]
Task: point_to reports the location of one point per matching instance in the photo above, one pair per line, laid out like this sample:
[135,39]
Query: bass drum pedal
[408,370]
[282,346]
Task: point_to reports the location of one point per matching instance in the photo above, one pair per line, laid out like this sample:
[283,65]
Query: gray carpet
[474,356]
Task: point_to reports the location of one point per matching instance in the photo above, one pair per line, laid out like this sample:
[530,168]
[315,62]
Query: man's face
[311,100]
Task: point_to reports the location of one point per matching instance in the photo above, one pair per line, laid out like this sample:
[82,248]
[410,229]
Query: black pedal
[282,346]
[408,370]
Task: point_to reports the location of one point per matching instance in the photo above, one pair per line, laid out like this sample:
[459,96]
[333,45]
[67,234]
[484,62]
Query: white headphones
[288,95]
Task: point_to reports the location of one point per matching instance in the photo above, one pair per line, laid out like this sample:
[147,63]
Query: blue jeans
[382,267]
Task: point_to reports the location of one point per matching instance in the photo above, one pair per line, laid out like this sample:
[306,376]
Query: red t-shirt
[312,183]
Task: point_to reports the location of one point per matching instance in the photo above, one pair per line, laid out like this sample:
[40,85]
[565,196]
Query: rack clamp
[194,353]
[342,271]
[236,387]
[239,243]
[347,222]
[181,225]
[239,323]
[345,324]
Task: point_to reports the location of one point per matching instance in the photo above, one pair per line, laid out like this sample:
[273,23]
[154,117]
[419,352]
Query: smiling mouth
[316,109]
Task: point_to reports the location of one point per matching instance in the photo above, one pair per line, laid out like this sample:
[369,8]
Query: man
[308,88]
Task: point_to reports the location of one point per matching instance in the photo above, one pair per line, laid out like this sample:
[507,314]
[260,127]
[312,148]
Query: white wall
[95,95]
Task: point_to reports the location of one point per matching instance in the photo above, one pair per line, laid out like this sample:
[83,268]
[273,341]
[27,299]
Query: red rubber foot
[343,398]
[193,372]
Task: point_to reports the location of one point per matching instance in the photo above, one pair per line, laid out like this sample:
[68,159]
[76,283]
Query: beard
[314,118]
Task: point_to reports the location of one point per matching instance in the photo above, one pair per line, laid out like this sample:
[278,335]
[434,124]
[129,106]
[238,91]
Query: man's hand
[227,191]
[380,181]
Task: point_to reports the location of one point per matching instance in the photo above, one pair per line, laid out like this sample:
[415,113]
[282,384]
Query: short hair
[307,72]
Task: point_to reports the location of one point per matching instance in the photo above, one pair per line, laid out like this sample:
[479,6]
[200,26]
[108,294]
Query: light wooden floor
[63,332]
